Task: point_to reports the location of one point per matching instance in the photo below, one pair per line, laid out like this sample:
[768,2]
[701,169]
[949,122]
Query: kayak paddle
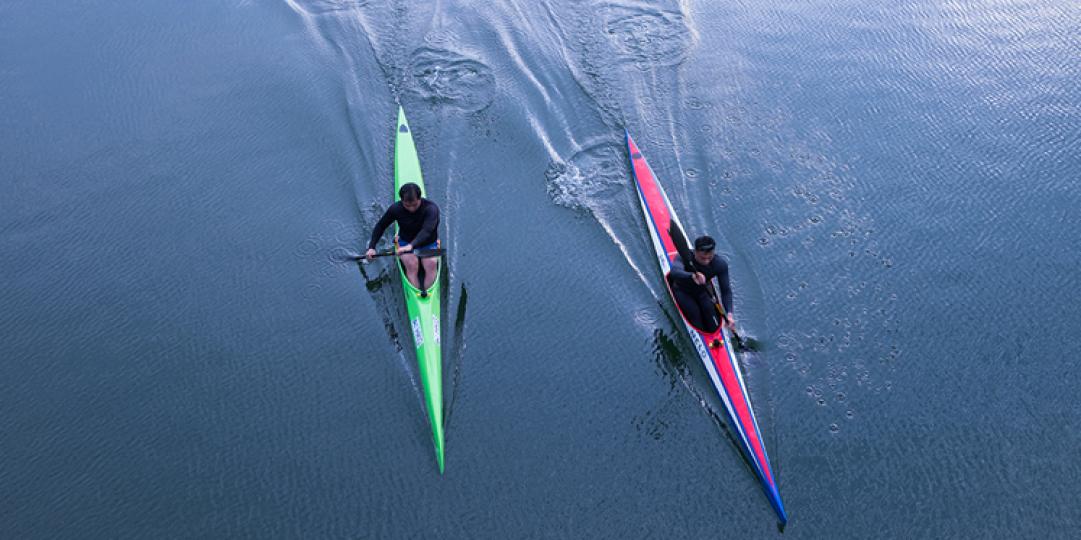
[422,253]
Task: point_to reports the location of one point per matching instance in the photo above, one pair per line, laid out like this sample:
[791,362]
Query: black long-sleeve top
[419,228]
[718,268]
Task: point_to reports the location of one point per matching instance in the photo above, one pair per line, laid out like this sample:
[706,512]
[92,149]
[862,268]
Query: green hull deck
[423,311]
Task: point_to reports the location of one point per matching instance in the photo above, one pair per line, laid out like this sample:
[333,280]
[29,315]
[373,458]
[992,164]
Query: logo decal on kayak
[435,328]
[403,129]
[636,155]
[418,334]
[700,343]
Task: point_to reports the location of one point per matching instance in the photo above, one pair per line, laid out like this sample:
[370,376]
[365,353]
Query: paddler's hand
[406,248]
[370,254]
[699,278]
[729,320]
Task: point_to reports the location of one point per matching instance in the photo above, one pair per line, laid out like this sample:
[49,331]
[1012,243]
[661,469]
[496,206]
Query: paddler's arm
[427,233]
[679,273]
[381,227]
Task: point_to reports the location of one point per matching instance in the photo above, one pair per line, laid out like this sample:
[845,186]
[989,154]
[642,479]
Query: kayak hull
[424,310]
[713,348]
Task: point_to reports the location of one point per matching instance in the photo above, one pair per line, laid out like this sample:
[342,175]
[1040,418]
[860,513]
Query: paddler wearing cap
[689,286]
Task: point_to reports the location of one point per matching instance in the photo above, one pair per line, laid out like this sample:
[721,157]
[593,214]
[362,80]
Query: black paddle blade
[744,344]
[752,344]
[422,253]
[682,245]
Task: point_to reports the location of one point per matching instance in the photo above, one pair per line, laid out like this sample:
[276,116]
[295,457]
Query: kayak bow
[715,348]
[423,310]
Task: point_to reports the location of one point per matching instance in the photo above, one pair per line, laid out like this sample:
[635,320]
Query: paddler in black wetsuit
[689,287]
[418,224]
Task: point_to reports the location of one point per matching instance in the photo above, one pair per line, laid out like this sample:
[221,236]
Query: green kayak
[423,311]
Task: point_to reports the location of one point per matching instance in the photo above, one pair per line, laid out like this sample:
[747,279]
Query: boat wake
[450,78]
[646,36]
[594,181]
[320,7]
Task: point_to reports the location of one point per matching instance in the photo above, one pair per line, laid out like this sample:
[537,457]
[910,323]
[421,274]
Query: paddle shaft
[421,253]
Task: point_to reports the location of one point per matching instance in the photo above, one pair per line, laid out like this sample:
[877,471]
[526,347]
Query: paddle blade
[679,239]
[422,253]
[744,343]
[752,344]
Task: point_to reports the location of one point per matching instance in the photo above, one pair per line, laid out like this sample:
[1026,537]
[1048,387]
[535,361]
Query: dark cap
[704,243]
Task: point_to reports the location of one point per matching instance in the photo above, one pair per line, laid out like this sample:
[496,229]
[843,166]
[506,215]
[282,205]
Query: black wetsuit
[694,299]
[419,228]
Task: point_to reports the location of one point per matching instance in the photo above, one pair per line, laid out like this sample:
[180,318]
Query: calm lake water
[185,354]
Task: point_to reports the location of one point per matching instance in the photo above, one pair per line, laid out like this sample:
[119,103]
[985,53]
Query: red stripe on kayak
[730,380]
[661,214]
[724,365]
[651,192]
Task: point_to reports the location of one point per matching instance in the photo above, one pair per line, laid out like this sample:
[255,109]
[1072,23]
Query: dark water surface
[183,354]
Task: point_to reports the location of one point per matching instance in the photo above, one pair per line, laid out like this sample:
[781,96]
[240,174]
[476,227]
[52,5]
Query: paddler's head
[703,249]
[410,196]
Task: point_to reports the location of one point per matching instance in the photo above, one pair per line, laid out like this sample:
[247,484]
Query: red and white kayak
[714,348]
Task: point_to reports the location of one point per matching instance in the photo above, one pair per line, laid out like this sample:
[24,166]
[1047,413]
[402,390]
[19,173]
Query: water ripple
[589,178]
[647,36]
[451,78]
[319,7]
